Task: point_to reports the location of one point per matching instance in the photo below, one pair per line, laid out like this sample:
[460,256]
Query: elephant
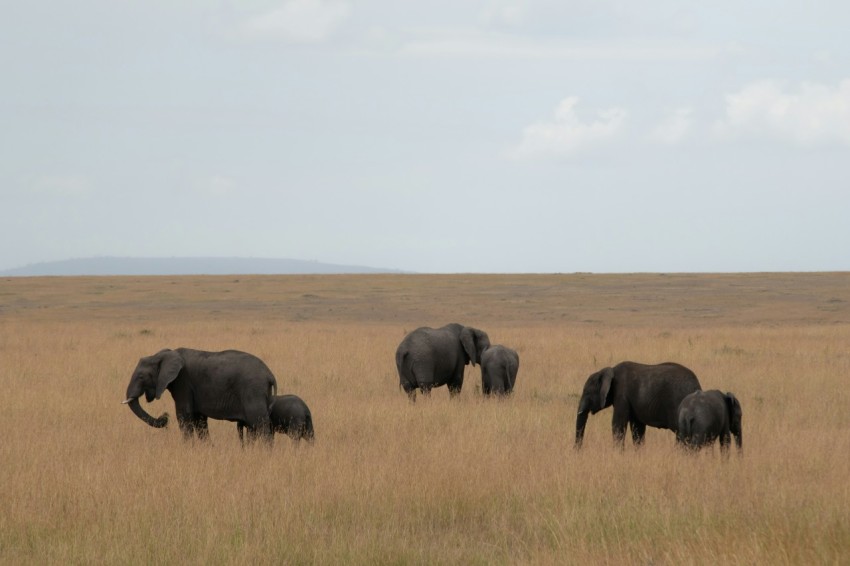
[641,395]
[289,415]
[705,416]
[432,357]
[499,366]
[229,385]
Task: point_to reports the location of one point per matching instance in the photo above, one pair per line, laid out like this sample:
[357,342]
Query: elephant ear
[169,367]
[467,339]
[605,386]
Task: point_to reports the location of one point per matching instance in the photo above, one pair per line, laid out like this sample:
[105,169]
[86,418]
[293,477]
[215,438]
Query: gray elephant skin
[706,416]
[642,395]
[499,366]
[230,385]
[432,357]
[291,416]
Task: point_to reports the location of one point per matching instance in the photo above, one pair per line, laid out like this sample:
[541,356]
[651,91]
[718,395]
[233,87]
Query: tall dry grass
[466,481]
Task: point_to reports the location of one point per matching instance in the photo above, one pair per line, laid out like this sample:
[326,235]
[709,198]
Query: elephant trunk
[581,421]
[137,409]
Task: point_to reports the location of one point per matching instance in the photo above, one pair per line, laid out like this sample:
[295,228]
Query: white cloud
[566,133]
[674,128]
[812,113]
[298,21]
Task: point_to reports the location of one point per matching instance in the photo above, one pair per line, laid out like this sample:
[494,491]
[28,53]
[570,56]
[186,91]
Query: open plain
[464,481]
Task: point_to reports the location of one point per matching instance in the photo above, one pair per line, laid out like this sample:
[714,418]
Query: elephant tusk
[126,401]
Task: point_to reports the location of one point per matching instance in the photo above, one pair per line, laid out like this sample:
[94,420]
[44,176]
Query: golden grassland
[464,481]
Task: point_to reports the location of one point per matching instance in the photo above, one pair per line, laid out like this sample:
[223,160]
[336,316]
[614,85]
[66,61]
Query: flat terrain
[466,481]
[583,300]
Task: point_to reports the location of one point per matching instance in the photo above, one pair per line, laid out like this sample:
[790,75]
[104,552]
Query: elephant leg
[455,384]
[202,428]
[260,431]
[266,432]
[619,432]
[410,390]
[426,389]
[188,419]
[296,432]
[195,425]
[725,444]
[187,426]
[505,383]
[618,427]
[503,386]
[638,432]
[508,389]
[257,420]
[486,382]
[686,443]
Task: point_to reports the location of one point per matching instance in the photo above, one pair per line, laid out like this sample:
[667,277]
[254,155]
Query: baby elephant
[291,416]
[708,415]
[499,366]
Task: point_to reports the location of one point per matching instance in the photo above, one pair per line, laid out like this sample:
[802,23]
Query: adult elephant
[642,395]
[706,416]
[230,385]
[431,357]
[499,366]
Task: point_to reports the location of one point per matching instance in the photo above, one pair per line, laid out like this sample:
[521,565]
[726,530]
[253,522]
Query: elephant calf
[289,415]
[499,366]
[705,416]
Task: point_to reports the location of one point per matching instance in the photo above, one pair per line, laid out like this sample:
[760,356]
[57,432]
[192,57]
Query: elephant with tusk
[230,385]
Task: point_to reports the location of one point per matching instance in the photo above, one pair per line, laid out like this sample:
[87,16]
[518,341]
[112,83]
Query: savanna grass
[464,481]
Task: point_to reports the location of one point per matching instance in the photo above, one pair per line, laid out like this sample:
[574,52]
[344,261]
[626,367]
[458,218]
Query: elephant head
[594,398]
[735,415]
[151,377]
[474,343]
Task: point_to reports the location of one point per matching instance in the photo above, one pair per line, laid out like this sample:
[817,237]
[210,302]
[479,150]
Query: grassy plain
[469,481]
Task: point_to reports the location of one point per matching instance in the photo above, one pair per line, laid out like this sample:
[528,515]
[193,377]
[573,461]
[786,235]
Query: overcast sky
[439,136]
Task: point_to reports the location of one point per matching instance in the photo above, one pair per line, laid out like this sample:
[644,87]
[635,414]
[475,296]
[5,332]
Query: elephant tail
[510,375]
[400,355]
[404,363]
[272,392]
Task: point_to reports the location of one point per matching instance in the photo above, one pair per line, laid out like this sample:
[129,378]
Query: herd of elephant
[239,387]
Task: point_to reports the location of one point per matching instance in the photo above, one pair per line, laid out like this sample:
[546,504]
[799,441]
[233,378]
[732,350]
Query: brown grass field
[464,481]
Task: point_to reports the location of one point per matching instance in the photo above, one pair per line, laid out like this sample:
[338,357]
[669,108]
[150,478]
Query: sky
[500,136]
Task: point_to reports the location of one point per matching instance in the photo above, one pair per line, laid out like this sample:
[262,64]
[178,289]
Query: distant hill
[185,266]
